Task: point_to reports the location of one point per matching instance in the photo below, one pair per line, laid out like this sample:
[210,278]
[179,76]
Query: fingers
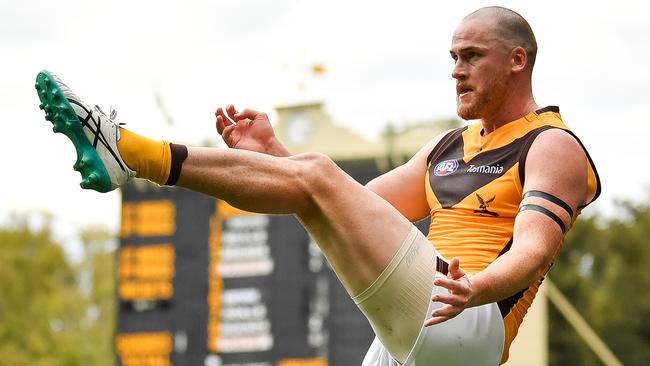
[446,311]
[222,120]
[455,286]
[454,281]
[230,109]
[456,299]
[454,269]
[449,299]
[433,321]
[442,314]
[453,304]
[220,124]
[226,117]
[230,115]
[250,114]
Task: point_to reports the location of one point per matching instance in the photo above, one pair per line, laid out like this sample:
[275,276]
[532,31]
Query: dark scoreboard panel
[203,283]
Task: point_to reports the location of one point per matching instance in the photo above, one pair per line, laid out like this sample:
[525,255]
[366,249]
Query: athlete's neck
[518,104]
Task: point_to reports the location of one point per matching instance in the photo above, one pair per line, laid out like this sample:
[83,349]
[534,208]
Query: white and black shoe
[93,134]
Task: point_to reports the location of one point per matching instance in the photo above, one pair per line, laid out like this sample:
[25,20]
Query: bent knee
[312,158]
[317,171]
[315,162]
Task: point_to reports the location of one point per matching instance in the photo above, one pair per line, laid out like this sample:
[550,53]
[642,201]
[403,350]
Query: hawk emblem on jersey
[446,167]
[483,206]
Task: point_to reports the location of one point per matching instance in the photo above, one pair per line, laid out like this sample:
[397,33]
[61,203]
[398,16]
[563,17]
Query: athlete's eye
[470,55]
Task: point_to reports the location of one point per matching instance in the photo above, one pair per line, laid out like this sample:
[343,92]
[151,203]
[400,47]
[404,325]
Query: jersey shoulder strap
[453,136]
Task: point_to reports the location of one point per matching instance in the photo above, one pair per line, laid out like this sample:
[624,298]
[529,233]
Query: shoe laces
[112,114]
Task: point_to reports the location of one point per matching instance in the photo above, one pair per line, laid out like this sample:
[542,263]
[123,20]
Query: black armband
[550,197]
[546,212]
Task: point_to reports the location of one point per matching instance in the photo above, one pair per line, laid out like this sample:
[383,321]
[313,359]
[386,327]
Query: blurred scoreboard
[203,283]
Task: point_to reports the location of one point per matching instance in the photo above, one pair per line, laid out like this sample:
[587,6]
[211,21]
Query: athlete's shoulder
[556,142]
[553,136]
[558,158]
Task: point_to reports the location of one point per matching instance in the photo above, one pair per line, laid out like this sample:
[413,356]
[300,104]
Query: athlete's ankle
[178,156]
[157,161]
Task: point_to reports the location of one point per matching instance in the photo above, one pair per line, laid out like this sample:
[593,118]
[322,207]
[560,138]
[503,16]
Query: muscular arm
[404,186]
[556,164]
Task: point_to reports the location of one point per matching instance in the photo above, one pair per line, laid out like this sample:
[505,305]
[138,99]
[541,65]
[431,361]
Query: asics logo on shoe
[95,128]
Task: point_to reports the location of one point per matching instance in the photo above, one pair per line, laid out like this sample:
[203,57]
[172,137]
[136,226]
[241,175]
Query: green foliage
[46,317]
[603,270]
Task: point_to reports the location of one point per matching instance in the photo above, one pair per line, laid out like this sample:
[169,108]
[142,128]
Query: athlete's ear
[518,59]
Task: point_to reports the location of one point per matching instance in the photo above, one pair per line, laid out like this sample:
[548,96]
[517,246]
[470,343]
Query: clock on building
[298,129]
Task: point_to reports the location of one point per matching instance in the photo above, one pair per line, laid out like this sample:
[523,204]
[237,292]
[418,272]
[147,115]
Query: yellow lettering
[146,272]
[144,349]
[148,218]
[302,362]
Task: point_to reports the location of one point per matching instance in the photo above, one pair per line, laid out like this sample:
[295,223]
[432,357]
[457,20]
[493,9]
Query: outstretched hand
[251,130]
[458,297]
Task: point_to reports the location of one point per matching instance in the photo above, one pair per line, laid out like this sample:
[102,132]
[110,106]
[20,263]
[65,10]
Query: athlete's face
[481,68]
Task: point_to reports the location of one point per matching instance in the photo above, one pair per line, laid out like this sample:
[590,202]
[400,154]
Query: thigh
[396,303]
[358,231]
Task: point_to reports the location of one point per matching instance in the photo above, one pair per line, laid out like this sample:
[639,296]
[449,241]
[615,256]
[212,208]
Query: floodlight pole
[580,325]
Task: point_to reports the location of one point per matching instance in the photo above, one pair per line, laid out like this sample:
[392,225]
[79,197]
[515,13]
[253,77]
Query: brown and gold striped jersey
[474,188]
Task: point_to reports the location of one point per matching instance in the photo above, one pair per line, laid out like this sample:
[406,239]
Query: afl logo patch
[446,167]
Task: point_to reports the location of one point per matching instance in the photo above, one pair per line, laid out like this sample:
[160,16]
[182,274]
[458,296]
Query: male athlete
[500,193]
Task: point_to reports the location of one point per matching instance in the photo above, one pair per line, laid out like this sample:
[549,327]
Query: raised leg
[357,230]
[374,250]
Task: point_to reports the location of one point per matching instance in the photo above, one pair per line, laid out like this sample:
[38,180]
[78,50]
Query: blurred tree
[46,317]
[603,270]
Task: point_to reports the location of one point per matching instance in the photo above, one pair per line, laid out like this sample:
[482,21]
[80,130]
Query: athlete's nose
[459,72]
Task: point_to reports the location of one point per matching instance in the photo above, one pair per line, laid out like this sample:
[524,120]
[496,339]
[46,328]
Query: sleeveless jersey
[474,188]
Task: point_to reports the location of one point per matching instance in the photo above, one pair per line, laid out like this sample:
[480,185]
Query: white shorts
[474,337]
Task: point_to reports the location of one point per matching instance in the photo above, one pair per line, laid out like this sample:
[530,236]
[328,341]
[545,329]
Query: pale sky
[385,61]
